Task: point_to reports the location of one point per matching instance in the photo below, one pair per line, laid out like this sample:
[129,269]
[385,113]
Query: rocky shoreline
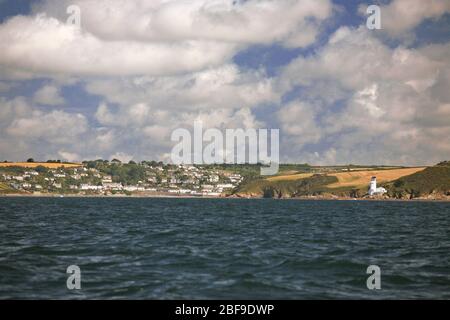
[432,197]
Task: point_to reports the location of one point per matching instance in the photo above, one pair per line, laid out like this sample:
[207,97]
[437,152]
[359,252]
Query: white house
[213,178]
[112,185]
[107,179]
[133,188]
[91,187]
[207,187]
[225,186]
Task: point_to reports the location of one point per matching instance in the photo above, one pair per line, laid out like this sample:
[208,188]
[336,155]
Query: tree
[41,169]
[90,164]
[30,160]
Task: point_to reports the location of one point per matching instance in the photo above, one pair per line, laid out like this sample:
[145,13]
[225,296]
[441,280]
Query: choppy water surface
[226,249]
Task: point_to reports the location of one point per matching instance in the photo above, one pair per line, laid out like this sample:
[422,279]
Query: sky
[117,85]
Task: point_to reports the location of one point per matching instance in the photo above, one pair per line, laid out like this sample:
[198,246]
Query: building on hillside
[107,179]
[213,178]
[112,186]
[373,190]
[225,186]
[91,187]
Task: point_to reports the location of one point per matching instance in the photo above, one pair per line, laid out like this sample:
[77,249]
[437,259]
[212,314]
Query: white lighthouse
[373,190]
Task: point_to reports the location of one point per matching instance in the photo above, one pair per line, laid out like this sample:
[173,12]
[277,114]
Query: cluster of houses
[170,180]
[190,180]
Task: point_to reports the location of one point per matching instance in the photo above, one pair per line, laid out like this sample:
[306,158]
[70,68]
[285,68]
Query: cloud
[49,95]
[371,60]
[26,131]
[44,45]
[401,16]
[11,109]
[160,65]
[69,156]
[145,133]
[391,106]
[258,21]
[223,87]
[153,38]
[55,127]
[5,86]
[298,120]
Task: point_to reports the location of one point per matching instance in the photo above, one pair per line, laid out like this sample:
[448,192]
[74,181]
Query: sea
[175,248]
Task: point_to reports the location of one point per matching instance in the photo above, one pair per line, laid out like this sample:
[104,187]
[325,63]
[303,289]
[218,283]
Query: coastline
[169,196]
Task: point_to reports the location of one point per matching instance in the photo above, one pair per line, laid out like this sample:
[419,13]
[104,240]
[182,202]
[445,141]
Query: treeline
[99,162]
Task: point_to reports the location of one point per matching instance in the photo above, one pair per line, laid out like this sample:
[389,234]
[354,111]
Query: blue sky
[306,74]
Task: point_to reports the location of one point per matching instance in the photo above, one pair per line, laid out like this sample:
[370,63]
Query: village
[114,178]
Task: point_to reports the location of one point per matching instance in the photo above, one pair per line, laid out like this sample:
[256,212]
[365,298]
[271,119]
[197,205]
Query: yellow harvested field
[291,177]
[37,164]
[287,172]
[362,178]
[3,186]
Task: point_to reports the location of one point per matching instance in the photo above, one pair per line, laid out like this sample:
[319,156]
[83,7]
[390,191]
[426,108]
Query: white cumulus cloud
[49,95]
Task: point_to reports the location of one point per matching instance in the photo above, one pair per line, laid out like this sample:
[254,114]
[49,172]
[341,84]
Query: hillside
[103,177]
[402,183]
[309,185]
[431,182]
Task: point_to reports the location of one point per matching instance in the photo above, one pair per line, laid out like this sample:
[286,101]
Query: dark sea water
[136,248]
